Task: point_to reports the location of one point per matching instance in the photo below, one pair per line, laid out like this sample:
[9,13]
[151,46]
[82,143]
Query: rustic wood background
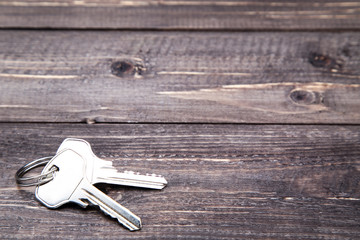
[250,109]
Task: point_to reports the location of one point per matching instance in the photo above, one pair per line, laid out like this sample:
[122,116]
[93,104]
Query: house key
[70,184]
[70,175]
[102,171]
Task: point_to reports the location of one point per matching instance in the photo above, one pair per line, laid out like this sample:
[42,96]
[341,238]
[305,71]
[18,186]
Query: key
[102,171]
[70,184]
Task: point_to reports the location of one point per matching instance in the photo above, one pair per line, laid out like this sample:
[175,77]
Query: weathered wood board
[250,109]
[225,181]
[184,14]
[97,76]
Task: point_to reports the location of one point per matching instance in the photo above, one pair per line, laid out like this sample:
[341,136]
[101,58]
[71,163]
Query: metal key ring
[34,180]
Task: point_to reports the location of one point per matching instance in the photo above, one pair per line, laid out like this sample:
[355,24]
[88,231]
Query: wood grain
[67,76]
[185,14]
[225,181]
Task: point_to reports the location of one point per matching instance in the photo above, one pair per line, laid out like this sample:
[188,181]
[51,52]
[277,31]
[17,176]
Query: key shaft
[111,176]
[107,205]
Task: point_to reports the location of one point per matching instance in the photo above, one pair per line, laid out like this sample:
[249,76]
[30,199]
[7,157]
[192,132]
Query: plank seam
[264,30]
[182,123]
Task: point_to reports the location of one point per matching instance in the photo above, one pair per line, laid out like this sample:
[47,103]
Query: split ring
[34,180]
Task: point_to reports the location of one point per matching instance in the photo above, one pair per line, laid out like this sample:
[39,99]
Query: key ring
[34,180]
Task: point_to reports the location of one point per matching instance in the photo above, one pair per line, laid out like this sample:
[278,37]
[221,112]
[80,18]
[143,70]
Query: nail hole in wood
[89,121]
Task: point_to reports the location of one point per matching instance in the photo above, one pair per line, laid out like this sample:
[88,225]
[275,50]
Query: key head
[84,149]
[71,171]
[79,145]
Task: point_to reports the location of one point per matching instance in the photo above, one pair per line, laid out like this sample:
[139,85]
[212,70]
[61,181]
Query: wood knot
[127,68]
[323,61]
[305,97]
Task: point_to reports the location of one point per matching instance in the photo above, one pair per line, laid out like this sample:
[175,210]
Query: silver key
[102,171]
[70,184]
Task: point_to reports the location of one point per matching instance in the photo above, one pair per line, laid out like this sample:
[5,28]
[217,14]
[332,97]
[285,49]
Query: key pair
[77,169]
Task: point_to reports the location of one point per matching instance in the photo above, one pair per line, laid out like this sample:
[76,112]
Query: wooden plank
[179,77]
[225,181]
[184,14]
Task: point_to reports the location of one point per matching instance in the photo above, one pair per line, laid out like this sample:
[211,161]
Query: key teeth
[147,174]
[153,175]
[114,216]
[106,212]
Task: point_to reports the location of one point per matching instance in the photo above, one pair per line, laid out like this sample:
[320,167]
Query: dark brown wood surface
[184,14]
[254,120]
[225,181]
[69,76]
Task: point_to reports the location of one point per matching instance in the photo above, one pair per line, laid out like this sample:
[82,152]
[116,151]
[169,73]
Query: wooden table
[250,109]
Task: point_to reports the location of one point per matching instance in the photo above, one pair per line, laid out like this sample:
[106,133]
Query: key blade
[109,206]
[111,176]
